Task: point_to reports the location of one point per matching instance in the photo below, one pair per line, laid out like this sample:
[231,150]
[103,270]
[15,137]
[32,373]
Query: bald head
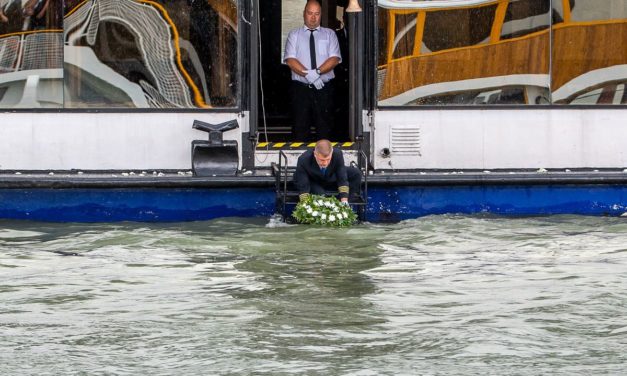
[312,14]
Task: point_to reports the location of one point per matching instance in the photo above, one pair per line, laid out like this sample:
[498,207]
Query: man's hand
[312,76]
[318,84]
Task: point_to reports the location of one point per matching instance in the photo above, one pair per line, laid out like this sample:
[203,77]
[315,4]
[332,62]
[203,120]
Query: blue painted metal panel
[406,202]
[385,203]
[127,204]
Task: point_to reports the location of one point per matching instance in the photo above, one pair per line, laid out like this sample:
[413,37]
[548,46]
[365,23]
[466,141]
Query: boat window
[595,10]
[467,52]
[526,17]
[119,54]
[31,54]
[151,54]
[405,35]
[491,52]
[588,56]
[458,28]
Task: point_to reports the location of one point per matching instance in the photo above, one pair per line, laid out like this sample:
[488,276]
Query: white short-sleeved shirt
[297,47]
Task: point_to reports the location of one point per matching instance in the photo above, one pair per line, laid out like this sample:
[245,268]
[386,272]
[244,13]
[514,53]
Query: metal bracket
[215,157]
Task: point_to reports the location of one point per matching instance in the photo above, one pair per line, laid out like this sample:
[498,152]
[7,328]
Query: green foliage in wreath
[326,211]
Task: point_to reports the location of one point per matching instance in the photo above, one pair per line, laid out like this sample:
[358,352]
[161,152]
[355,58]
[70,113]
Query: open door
[274,119]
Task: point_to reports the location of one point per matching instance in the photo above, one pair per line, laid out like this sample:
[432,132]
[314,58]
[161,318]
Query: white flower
[331,218]
[315,213]
[323,216]
[345,215]
[309,209]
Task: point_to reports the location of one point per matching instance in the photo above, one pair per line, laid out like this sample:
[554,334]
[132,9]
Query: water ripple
[440,295]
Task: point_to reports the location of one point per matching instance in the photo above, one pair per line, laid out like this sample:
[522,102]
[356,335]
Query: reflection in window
[524,17]
[609,94]
[489,96]
[405,36]
[588,55]
[475,53]
[31,54]
[595,10]
[458,28]
[151,54]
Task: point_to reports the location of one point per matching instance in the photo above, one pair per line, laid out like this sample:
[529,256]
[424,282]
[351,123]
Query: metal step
[265,157]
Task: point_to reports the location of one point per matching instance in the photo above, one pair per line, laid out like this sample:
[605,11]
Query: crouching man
[323,170]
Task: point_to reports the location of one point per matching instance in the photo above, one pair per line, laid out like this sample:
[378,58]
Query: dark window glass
[405,26]
[589,54]
[151,54]
[485,53]
[524,17]
[458,28]
[31,54]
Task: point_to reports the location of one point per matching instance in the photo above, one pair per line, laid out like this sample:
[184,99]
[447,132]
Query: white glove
[312,76]
[318,84]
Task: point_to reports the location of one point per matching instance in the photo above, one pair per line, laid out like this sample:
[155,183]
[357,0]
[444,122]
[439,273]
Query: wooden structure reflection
[577,48]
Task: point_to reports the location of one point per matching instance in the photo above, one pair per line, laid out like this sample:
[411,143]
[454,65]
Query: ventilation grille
[405,141]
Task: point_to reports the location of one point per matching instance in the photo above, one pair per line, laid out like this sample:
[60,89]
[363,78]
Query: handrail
[282,156]
[363,157]
[362,166]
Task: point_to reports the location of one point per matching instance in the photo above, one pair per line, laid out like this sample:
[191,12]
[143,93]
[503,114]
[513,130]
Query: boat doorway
[277,18]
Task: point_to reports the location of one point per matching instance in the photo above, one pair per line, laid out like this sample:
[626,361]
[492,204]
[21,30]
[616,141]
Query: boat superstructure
[450,100]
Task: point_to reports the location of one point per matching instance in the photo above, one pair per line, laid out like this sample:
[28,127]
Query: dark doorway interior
[274,86]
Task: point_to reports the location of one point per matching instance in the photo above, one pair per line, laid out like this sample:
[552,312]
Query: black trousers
[312,108]
[354,182]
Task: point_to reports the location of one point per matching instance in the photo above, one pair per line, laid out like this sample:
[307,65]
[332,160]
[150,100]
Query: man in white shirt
[312,52]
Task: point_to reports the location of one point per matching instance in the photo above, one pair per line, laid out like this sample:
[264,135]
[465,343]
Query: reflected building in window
[151,54]
[182,54]
[589,53]
[31,54]
[465,52]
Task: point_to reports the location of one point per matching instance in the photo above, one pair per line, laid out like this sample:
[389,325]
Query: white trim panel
[505,139]
[103,141]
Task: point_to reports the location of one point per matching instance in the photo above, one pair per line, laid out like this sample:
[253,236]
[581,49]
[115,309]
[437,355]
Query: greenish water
[440,295]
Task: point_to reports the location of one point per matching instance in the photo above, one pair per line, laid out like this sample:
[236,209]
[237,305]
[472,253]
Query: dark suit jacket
[308,171]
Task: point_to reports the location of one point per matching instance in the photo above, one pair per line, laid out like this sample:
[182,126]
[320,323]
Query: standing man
[312,52]
[323,169]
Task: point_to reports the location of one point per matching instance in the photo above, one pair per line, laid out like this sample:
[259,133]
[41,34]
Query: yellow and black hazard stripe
[299,145]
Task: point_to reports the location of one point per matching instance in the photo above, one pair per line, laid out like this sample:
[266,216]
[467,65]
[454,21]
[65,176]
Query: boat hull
[385,202]
[134,204]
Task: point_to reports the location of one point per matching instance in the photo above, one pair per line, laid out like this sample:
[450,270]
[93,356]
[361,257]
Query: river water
[439,295]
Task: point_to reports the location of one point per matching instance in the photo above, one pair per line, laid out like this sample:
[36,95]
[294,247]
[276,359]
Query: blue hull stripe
[384,203]
[145,205]
[411,202]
